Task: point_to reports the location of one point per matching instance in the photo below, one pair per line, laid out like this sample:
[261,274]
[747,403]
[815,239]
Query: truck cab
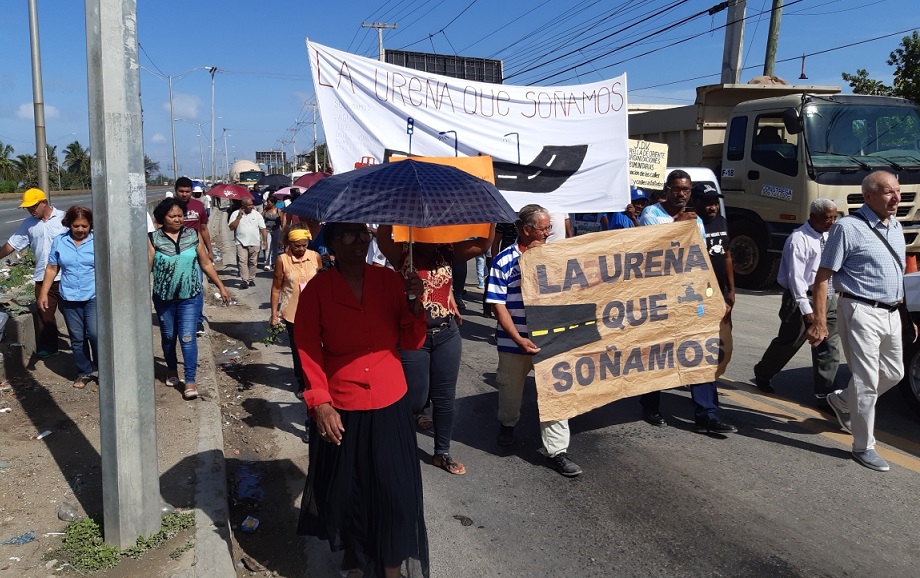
[776,148]
[782,153]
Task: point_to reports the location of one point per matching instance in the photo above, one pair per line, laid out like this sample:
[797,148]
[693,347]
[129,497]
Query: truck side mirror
[793,121]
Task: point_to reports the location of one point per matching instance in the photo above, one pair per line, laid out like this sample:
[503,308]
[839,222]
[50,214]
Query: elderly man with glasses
[38,230]
[515,349]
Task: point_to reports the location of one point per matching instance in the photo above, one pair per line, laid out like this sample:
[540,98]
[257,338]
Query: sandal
[190,391]
[447,463]
[423,421]
[81,381]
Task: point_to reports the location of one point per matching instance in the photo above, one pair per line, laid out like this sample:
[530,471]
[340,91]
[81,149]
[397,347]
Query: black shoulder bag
[908,331]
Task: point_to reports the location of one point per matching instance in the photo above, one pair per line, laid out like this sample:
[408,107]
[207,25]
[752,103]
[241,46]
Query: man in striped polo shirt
[868,278]
[515,349]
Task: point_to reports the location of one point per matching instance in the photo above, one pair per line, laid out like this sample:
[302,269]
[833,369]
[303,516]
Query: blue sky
[263,87]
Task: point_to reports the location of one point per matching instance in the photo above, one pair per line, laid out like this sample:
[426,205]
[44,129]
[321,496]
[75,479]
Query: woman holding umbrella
[364,487]
[432,370]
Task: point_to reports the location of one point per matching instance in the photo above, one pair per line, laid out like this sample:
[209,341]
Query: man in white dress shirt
[801,259]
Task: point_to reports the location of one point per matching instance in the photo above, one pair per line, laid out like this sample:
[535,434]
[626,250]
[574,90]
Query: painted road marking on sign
[542,332]
[901,451]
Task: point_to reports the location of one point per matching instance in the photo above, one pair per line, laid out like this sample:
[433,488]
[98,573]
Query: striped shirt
[505,289]
[862,265]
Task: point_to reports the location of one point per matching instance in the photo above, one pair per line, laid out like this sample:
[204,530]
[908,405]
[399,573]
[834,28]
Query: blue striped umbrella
[408,193]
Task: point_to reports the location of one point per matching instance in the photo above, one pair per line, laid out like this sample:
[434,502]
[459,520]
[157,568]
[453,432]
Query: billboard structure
[465,67]
[271,158]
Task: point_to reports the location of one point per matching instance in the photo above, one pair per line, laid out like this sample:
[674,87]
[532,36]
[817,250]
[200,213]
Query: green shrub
[84,548]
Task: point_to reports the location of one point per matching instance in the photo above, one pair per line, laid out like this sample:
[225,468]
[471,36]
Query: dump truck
[246,173]
[776,148]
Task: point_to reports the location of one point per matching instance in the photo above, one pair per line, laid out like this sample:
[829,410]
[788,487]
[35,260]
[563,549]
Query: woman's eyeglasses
[349,237]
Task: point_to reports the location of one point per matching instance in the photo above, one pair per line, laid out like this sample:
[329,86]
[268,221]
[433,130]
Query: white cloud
[184,106]
[26,111]
[158,138]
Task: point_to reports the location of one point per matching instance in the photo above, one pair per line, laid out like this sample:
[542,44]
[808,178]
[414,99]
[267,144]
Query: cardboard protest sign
[621,313]
[480,166]
[647,163]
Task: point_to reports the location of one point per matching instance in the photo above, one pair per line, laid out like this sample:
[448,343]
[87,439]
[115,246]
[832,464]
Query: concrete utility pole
[776,15]
[213,71]
[38,99]
[734,42]
[127,412]
[379,26]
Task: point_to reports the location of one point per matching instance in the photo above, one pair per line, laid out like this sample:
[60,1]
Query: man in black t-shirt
[705,199]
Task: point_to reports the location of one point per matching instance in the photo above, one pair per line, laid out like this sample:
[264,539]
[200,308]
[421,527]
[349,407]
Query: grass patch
[84,548]
[18,277]
[178,552]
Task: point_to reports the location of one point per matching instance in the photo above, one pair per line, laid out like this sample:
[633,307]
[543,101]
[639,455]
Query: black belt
[879,304]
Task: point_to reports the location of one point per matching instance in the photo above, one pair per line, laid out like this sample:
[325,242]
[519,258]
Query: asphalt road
[779,498]
[11,215]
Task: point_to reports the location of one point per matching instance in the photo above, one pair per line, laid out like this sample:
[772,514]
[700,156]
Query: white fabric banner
[563,147]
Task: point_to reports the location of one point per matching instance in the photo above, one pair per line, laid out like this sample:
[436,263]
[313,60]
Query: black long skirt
[366,494]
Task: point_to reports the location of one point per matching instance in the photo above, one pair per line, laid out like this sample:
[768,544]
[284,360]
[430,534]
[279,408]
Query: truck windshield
[865,137]
[253,176]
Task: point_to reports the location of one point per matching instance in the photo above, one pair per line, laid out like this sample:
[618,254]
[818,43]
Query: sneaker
[43,353]
[764,385]
[843,417]
[268,267]
[564,465]
[252,283]
[654,418]
[200,332]
[871,460]
[506,435]
[714,425]
[481,285]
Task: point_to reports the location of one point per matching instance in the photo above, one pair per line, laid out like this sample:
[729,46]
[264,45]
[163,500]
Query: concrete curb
[213,542]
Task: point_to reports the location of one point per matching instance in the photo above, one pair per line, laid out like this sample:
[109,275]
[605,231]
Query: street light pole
[172,128]
[41,150]
[213,71]
[226,156]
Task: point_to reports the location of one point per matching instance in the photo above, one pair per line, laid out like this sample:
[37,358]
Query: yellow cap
[32,197]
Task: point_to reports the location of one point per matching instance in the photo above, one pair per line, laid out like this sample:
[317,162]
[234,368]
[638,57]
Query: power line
[627,27]
[790,59]
[668,28]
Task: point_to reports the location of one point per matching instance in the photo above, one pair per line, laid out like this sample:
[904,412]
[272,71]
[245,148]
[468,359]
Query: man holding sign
[515,349]
[674,208]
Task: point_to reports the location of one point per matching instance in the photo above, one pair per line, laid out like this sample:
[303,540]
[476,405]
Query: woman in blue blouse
[175,257]
[72,254]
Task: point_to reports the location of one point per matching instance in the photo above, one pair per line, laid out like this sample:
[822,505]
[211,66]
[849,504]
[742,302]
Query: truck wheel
[910,385]
[754,266]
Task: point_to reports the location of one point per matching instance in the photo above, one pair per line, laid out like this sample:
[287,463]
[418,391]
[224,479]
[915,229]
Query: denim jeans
[178,321]
[431,373]
[481,269]
[80,317]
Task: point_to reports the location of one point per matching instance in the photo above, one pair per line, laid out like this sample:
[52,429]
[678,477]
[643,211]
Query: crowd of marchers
[374,329]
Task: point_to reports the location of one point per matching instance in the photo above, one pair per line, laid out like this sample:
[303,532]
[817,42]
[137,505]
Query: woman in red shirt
[364,485]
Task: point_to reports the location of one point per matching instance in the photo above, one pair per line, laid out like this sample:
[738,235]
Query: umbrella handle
[411,265]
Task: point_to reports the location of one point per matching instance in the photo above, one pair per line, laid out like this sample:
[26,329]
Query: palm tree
[76,160]
[26,167]
[150,167]
[7,170]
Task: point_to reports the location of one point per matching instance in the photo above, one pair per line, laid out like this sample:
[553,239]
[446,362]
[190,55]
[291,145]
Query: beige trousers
[512,373]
